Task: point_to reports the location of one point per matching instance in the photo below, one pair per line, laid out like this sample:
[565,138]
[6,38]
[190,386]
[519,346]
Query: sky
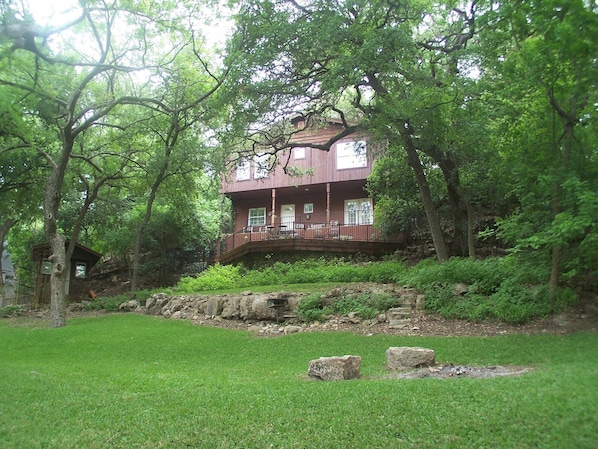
[54,13]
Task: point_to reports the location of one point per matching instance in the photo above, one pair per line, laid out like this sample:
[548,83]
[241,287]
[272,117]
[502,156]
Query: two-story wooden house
[321,206]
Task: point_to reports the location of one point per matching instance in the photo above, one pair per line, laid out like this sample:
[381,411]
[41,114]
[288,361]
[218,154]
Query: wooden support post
[327,203]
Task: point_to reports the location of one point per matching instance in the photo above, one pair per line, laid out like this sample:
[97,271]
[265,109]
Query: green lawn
[132,381]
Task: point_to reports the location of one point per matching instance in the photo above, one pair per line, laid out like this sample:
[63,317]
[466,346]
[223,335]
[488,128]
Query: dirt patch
[455,372]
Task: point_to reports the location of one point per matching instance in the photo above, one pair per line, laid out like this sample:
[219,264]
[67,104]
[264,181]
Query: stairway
[400,317]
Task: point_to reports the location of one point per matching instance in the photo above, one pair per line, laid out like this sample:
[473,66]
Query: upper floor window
[299,152]
[262,166]
[243,170]
[257,216]
[351,155]
[359,212]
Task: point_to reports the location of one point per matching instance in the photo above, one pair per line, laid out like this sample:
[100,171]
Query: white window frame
[256,216]
[244,170]
[308,208]
[359,211]
[351,155]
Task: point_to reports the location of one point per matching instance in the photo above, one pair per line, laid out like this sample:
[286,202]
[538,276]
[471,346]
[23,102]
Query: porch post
[273,216]
[327,202]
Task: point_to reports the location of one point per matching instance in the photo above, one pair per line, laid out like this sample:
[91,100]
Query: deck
[312,238]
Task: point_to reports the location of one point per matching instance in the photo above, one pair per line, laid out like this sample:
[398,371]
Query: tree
[178,133]
[542,57]
[78,87]
[400,67]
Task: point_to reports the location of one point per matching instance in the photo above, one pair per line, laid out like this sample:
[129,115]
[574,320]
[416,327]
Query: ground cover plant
[365,305]
[134,381]
[506,289]
[307,271]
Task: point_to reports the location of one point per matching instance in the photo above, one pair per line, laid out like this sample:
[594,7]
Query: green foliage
[216,277]
[509,289]
[306,271]
[311,308]
[11,310]
[365,305]
[108,304]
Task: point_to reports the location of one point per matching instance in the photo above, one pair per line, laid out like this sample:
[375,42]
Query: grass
[131,381]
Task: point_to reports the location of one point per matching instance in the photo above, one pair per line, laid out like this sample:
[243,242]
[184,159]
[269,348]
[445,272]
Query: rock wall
[244,306]
[250,306]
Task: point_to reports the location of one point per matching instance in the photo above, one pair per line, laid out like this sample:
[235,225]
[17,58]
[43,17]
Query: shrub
[216,277]
[109,304]
[311,308]
[502,289]
[367,306]
[11,310]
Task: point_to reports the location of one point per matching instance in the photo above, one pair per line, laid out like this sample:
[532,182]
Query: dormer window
[351,155]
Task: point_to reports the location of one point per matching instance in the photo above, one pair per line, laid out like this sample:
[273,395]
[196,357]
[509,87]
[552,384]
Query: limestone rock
[404,357]
[399,324]
[335,368]
[129,306]
[213,307]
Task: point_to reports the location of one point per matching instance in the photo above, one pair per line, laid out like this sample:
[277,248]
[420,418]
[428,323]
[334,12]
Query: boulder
[404,357]
[129,306]
[335,368]
[154,303]
[213,306]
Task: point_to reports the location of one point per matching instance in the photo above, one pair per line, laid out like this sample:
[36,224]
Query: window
[308,208]
[80,270]
[243,170]
[257,216]
[351,155]
[359,212]
[262,166]
[299,153]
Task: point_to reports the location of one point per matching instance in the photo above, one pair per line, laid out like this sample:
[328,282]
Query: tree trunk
[56,240]
[58,280]
[462,220]
[424,189]
[143,225]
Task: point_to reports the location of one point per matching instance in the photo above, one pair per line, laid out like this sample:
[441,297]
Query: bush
[308,271]
[367,306]
[11,310]
[216,277]
[311,308]
[500,289]
[109,304]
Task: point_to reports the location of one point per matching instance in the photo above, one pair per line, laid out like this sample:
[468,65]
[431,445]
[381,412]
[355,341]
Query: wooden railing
[312,230]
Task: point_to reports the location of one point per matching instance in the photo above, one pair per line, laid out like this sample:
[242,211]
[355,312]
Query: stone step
[399,324]
[399,313]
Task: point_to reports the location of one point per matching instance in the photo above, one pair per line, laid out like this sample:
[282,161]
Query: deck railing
[312,229]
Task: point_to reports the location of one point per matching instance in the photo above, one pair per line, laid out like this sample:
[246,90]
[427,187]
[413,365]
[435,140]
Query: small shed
[81,263]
